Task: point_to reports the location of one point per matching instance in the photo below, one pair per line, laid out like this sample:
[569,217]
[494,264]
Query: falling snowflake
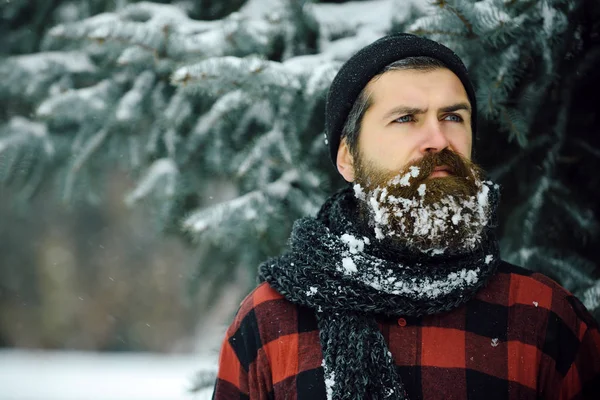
[494,342]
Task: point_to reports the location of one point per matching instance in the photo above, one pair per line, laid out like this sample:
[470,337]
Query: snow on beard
[433,215]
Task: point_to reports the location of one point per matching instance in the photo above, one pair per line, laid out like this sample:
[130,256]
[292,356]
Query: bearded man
[396,290]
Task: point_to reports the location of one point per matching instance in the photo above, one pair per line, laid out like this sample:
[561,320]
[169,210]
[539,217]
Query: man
[396,289]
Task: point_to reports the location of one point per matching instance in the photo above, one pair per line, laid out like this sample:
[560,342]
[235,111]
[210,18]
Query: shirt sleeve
[582,381]
[232,379]
[244,371]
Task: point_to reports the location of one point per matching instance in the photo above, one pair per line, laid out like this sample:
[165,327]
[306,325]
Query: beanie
[370,61]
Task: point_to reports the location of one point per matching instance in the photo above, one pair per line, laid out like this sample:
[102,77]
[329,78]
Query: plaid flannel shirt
[522,337]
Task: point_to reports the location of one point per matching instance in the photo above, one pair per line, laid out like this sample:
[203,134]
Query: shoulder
[529,288]
[262,296]
[267,315]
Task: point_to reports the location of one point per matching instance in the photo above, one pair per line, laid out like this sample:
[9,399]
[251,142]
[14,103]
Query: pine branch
[590,296]
[498,172]
[587,147]
[92,146]
[203,380]
[225,74]
[167,32]
[80,105]
[30,76]
[130,108]
[444,4]
[258,206]
[265,145]
[571,270]
[25,149]
[160,180]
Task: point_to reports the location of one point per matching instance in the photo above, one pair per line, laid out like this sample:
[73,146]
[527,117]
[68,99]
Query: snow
[355,245]
[329,380]
[164,172]
[404,180]
[260,8]
[67,375]
[431,221]
[82,101]
[488,259]
[22,129]
[591,296]
[349,265]
[72,62]
[359,192]
[131,101]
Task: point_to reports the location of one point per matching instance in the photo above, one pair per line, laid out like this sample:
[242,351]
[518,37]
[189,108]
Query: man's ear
[345,161]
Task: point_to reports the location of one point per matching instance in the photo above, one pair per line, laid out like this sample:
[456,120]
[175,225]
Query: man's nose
[435,139]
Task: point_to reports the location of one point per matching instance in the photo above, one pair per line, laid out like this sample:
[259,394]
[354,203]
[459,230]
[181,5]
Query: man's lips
[440,171]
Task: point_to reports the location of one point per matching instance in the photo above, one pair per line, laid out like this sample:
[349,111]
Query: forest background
[152,154]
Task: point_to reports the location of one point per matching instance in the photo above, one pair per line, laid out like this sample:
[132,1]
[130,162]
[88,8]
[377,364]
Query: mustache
[455,164]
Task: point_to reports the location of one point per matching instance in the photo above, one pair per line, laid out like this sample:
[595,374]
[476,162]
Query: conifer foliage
[216,108]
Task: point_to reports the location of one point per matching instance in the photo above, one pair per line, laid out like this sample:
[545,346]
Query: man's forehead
[405,83]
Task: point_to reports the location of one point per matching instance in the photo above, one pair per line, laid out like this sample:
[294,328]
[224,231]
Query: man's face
[412,163]
[414,113]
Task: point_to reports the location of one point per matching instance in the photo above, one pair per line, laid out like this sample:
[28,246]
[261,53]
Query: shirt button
[401,322]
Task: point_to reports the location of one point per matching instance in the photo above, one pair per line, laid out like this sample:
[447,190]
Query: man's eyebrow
[402,110]
[457,107]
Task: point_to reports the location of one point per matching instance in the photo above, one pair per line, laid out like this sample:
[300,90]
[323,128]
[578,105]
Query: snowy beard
[432,215]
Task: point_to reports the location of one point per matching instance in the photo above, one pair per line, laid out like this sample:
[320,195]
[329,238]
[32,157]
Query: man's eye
[453,118]
[404,118]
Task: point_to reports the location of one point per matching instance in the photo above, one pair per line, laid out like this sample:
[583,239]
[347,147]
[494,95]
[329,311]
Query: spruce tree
[218,113]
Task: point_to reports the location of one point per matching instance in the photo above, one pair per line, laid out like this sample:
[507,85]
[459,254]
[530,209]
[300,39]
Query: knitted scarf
[337,267]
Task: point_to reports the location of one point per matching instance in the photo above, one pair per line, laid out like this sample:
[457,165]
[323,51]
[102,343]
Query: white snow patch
[311,291]
[70,375]
[355,245]
[329,380]
[404,180]
[359,192]
[488,259]
[456,218]
[429,221]
[349,265]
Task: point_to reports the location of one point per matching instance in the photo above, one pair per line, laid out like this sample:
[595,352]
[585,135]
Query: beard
[432,215]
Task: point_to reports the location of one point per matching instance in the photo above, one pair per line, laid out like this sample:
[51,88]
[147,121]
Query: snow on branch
[265,146]
[590,297]
[167,32]
[340,20]
[255,206]
[25,150]
[20,131]
[225,74]
[130,106]
[570,269]
[80,105]
[221,114]
[31,74]
[160,180]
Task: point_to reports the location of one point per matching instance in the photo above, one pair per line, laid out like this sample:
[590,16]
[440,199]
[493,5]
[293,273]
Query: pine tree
[218,113]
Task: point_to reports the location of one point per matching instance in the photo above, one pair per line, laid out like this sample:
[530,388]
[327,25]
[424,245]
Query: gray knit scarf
[337,267]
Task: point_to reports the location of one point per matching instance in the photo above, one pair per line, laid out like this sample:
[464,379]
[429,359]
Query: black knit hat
[370,61]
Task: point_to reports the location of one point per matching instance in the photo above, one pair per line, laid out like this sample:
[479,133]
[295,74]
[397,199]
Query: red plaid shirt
[522,337]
